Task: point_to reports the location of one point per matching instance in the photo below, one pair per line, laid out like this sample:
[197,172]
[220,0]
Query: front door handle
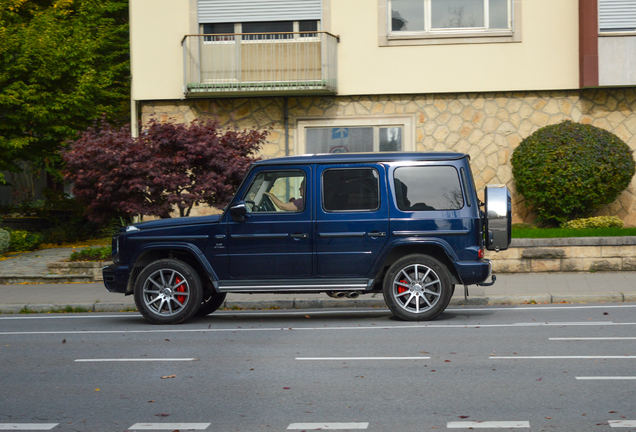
[299,235]
[376,234]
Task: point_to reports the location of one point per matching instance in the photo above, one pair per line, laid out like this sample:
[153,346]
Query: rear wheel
[168,291]
[417,288]
[211,302]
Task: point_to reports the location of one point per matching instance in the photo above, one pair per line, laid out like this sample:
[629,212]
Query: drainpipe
[286,121]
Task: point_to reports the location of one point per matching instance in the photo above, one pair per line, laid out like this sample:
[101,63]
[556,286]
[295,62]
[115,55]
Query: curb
[333,303]
[46,279]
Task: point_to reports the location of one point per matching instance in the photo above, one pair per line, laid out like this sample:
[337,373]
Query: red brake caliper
[181,288]
[401,289]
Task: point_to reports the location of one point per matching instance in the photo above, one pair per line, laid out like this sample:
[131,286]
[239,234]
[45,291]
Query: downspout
[286,121]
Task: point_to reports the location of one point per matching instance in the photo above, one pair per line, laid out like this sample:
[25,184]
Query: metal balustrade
[260,64]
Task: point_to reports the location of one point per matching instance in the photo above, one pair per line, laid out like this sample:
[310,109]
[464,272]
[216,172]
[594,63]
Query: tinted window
[351,190]
[428,188]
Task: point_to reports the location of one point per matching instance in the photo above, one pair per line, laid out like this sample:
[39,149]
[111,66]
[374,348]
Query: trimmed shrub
[5,241]
[92,254]
[568,170]
[22,241]
[594,222]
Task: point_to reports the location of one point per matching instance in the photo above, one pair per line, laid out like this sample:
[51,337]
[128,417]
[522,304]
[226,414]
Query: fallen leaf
[605,313]
[151,401]
[168,376]
[307,316]
[463,416]
[539,379]
[162,415]
[64,341]
[447,361]
[549,418]
[613,412]
[286,388]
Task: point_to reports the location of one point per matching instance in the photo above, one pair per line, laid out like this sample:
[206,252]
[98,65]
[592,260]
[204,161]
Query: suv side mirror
[238,211]
[498,217]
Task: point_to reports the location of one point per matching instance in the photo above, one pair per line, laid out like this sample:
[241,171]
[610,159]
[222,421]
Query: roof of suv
[362,157]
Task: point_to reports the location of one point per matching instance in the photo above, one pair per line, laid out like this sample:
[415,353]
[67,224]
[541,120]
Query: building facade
[473,76]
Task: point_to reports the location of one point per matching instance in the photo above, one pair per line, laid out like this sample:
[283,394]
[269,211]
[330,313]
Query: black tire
[168,291]
[210,303]
[417,288]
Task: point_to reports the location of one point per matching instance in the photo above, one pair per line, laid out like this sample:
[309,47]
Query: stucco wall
[488,126]
[545,58]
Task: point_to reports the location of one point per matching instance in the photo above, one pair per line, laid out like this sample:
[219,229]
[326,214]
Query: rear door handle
[376,234]
[299,235]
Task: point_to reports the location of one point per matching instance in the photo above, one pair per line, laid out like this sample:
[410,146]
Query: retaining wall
[584,254]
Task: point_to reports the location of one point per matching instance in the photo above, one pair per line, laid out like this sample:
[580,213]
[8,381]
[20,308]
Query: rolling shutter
[219,11]
[617,15]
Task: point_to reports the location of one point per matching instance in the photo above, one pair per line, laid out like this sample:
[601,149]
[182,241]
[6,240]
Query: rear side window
[423,188]
[355,189]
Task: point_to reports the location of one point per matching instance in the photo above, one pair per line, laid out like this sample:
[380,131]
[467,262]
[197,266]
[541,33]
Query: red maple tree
[170,166]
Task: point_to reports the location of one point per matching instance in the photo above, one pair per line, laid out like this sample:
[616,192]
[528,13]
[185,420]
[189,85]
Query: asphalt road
[539,368]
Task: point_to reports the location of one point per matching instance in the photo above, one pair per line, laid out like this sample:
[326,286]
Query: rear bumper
[116,278]
[473,272]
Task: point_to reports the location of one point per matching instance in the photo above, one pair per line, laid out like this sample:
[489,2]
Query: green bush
[92,254]
[594,222]
[22,241]
[5,241]
[568,170]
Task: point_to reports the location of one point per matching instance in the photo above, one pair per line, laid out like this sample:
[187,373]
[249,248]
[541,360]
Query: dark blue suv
[408,225]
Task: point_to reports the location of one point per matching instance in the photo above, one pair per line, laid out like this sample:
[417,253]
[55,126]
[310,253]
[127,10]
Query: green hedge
[568,170]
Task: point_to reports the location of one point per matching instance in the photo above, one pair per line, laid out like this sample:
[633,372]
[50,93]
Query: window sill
[448,38]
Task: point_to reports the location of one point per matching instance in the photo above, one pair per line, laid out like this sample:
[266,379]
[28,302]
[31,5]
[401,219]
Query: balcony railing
[260,64]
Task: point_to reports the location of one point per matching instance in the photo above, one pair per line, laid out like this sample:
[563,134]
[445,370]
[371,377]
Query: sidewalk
[46,295]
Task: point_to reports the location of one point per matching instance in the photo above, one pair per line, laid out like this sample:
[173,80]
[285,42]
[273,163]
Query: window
[354,139]
[288,187]
[356,189]
[617,16]
[412,22]
[449,15]
[261,27]
[425,188]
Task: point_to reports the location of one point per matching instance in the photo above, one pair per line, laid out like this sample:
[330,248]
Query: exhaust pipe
[353,295]
[338,294]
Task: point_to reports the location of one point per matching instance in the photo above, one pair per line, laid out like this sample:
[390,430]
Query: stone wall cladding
[566,255]
[487,126]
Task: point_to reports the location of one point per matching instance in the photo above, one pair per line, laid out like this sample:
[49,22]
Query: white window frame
[430,36]
[405,122]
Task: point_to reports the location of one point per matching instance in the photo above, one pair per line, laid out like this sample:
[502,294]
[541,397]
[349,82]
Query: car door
[351,219]
[270,242]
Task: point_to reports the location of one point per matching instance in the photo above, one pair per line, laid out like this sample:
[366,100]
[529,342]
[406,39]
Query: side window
[423,188]
[272,191]
[354,189]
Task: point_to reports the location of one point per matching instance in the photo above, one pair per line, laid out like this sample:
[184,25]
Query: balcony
[260,64]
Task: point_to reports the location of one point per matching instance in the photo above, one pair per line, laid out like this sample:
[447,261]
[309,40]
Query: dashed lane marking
[561,357]
[326,426]
[607,378]
[27,426]
[593,339]
[361,358]
[488,425]
[135,360]
[170,426]
[622,423]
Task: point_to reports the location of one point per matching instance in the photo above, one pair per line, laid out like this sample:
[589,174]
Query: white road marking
[315,312]
[376,327]
[607,378]
[325,426]
[170,426]
[27,426]
[487,424]
[362,358]
[561,357]
[622,423]
[135,360]
[592,338]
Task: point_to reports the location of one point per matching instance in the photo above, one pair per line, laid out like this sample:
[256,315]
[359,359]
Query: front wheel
[168,291]
[417,288]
